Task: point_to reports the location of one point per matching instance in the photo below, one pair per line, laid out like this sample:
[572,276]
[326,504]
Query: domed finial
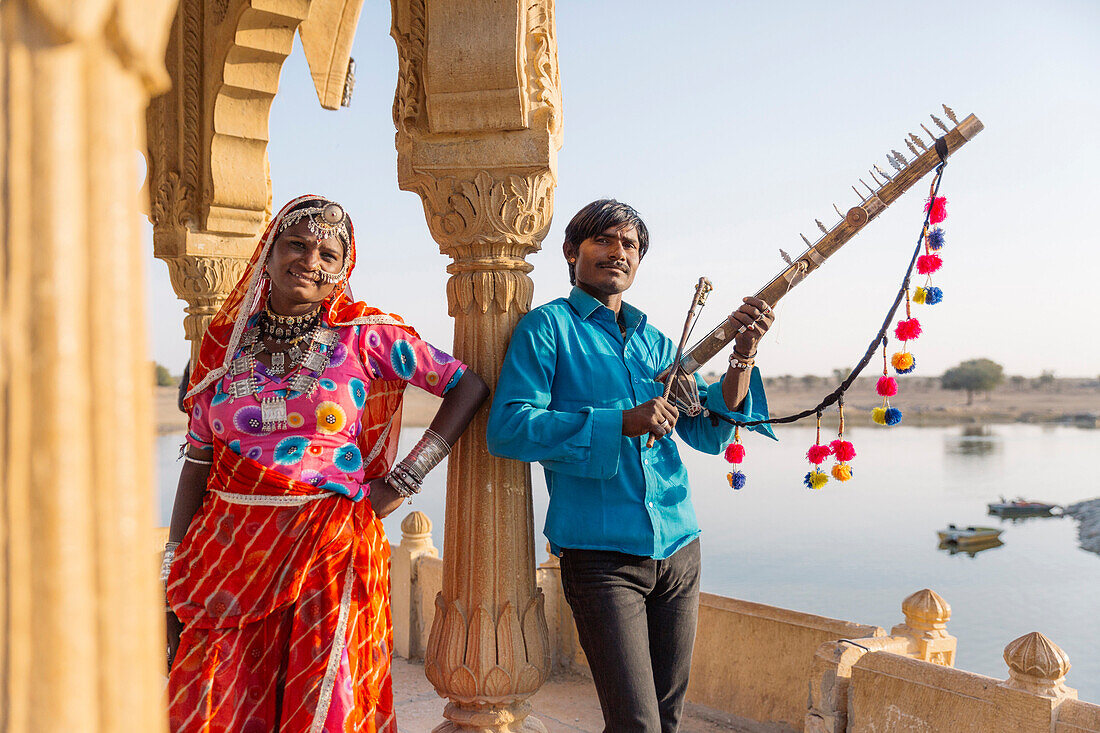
[926,610]
[416,526]
[1038,665]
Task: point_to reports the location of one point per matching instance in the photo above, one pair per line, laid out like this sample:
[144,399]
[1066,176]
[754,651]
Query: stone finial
[926,610]
[1038,665]
[416,526]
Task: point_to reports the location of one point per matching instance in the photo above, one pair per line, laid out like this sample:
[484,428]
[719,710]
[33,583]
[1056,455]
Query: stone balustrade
[780,670]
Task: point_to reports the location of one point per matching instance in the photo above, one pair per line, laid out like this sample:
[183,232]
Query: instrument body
[833,239]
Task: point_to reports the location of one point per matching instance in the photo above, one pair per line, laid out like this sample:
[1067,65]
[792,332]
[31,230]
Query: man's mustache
[614,265]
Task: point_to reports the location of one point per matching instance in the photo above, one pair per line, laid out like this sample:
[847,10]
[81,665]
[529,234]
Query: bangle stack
[166,568]
[741,362]
[407,477]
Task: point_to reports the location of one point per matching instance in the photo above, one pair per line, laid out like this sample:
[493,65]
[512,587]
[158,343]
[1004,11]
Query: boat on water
[1021,507]
[968,535]
[970,548]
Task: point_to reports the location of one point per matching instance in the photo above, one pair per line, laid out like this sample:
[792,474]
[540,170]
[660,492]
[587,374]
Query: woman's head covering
[248,297]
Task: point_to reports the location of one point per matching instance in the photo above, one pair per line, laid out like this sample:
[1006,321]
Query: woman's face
[297,258]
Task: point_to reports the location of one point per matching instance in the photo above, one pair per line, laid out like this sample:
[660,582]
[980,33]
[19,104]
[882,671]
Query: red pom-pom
[927,264]
[818,453]
[735,452]
[938,206]
[843,450]
[887,386]
[907,330]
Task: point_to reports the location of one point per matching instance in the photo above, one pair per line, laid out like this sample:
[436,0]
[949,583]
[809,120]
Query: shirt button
[651,505]
[645,461]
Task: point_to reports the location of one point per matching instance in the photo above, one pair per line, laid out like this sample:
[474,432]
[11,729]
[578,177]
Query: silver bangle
[737,362]
[189,459]
[166,560]
[407,477]
[399,479]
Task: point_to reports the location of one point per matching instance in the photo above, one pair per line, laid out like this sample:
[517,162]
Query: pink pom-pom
[927,264]
[843,450]
[887,386]
[938,206]
[735,452]
[818,453]
[907,330]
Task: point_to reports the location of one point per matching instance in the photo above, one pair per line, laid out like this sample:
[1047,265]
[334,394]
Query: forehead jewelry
[324,221]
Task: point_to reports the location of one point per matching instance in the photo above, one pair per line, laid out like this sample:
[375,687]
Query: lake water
[854,550]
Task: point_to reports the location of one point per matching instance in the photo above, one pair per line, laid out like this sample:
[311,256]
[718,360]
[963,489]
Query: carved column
[926,615]
[477,112]
[81,626]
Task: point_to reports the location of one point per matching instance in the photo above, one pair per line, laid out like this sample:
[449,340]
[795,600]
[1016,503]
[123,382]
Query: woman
[279,582]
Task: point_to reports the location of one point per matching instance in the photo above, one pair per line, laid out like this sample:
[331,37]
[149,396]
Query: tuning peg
[837,210]
[939,123]
[919,143]
[804,239]
[912,148]
[786,257]
[901,162]
[868,187]
[930,135]
[950,114]
[882,173]
[861,196]
[821,226]
[875,178]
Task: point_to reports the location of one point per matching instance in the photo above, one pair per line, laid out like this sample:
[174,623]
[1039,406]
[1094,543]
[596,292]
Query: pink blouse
[318,445]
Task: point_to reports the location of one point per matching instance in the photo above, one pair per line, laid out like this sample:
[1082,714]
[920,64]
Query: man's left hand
[758,317]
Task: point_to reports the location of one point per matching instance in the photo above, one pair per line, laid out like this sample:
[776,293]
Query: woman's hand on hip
[383,498]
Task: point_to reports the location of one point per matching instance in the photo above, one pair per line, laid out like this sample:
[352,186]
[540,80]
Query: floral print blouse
[318,446]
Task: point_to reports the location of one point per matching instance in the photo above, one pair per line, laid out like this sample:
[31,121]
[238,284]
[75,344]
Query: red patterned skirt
[284,596]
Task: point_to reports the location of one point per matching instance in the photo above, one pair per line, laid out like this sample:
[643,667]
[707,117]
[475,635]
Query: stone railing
[782,670]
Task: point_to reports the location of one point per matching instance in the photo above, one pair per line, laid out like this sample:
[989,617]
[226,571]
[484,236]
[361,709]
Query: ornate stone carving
[204,282]
[926,614]
[1038,665]
[544,85]
[410,32]
[172,204]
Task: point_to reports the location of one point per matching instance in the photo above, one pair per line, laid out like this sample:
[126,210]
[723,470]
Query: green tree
[973,375]
[162,376]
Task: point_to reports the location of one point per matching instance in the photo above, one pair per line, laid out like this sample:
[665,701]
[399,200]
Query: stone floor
[565,704]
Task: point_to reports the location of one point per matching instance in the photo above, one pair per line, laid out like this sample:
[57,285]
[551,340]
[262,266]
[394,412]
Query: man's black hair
[599,216]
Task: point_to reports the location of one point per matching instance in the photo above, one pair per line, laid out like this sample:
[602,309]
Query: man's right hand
[656,417]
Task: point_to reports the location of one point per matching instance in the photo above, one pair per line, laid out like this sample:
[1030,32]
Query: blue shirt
[568,376]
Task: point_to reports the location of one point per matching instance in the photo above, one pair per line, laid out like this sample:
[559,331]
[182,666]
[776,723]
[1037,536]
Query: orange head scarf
[382,416]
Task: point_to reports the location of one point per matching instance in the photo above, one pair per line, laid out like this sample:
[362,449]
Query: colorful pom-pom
[815,479]
[919,295]
[927,264]
[938,208]
[736,479]
[818,453]
[935,238]
[903,362]
[887,386]
[932,295]
[843,450]
[735,453]
[842,472]
[879,415]
[907,330]
[893,416]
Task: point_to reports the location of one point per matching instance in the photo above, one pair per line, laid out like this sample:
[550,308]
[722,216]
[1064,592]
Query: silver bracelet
[166,560]
[407,477]
[737,362]
[187,458]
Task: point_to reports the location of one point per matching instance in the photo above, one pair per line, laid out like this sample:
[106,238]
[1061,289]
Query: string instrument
[889,189]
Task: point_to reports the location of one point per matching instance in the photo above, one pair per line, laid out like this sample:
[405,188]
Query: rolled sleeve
[753,407]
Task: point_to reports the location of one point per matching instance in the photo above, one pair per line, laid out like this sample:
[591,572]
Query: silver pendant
[273,413]
[295,354]
[242,364]
[251,336]
[241,388]
[278,363]
[324,336]
[315,362]
[302,384]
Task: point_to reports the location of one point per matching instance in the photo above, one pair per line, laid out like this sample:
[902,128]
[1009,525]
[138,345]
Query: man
[579,394]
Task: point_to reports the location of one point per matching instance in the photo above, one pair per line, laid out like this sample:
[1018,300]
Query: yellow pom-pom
[842,472]
[901,360]
[879,415]
[919,295]
[817,479]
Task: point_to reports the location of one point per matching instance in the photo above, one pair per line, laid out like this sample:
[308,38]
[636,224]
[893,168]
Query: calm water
[855,550]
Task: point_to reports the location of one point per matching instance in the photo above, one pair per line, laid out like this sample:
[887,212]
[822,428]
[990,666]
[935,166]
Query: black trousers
[636,619]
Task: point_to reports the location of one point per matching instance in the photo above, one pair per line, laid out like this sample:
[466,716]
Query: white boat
[968,535]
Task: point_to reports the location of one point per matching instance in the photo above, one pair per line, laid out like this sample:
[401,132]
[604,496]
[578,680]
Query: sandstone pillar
[81,626]
[477,112]
[408,615]
[926,614]
[1039,666]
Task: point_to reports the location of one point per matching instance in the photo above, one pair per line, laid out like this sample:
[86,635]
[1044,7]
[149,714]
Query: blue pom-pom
[808,480]
[893,416]
[932,295]
[935,238]
[738,481]
[912,367]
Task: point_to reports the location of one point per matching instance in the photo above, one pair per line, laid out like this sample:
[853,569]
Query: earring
[572,260]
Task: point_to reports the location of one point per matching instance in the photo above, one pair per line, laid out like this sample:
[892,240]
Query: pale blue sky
[730,127]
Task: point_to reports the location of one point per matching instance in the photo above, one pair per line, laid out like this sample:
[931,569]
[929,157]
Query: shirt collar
[585,306]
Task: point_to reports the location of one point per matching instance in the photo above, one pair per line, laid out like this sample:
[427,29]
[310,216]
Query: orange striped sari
[284,593]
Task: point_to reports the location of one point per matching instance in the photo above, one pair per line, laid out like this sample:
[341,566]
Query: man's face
[607,262]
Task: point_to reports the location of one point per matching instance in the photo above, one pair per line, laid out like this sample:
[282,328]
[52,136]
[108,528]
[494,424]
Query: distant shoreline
[922,402]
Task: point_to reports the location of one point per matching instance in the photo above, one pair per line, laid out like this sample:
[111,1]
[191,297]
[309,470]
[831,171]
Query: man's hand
[758,317]
[656,417]
[383,498]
